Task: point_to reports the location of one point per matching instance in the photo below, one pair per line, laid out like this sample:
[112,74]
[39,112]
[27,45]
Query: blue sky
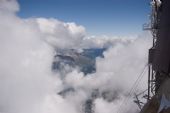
[100,17]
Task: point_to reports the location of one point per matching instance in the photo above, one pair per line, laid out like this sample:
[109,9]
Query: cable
[134,86]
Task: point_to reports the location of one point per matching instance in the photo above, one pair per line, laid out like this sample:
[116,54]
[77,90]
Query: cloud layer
[27,84]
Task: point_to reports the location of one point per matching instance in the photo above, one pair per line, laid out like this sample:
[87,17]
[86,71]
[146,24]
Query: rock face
[160,103]
[85,60]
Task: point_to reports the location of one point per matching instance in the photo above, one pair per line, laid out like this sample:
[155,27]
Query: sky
[99,17]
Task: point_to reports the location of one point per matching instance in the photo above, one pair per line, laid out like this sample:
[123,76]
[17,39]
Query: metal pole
[148,82]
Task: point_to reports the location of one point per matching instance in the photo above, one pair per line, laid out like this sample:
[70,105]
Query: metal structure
[159,54]
[153,27]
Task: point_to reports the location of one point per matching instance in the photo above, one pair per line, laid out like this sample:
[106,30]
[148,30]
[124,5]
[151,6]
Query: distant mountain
[85,60]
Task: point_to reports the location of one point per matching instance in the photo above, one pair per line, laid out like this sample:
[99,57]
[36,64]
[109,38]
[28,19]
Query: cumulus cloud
[24,65]
[9,6]
[27,84]
[69,34]
[103,106]
[115,76]
[105,41]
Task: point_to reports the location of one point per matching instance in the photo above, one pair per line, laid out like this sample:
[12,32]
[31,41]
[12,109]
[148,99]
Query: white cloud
[27,84]
[9,6]
[116,73]
[69,34]
[105,41]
